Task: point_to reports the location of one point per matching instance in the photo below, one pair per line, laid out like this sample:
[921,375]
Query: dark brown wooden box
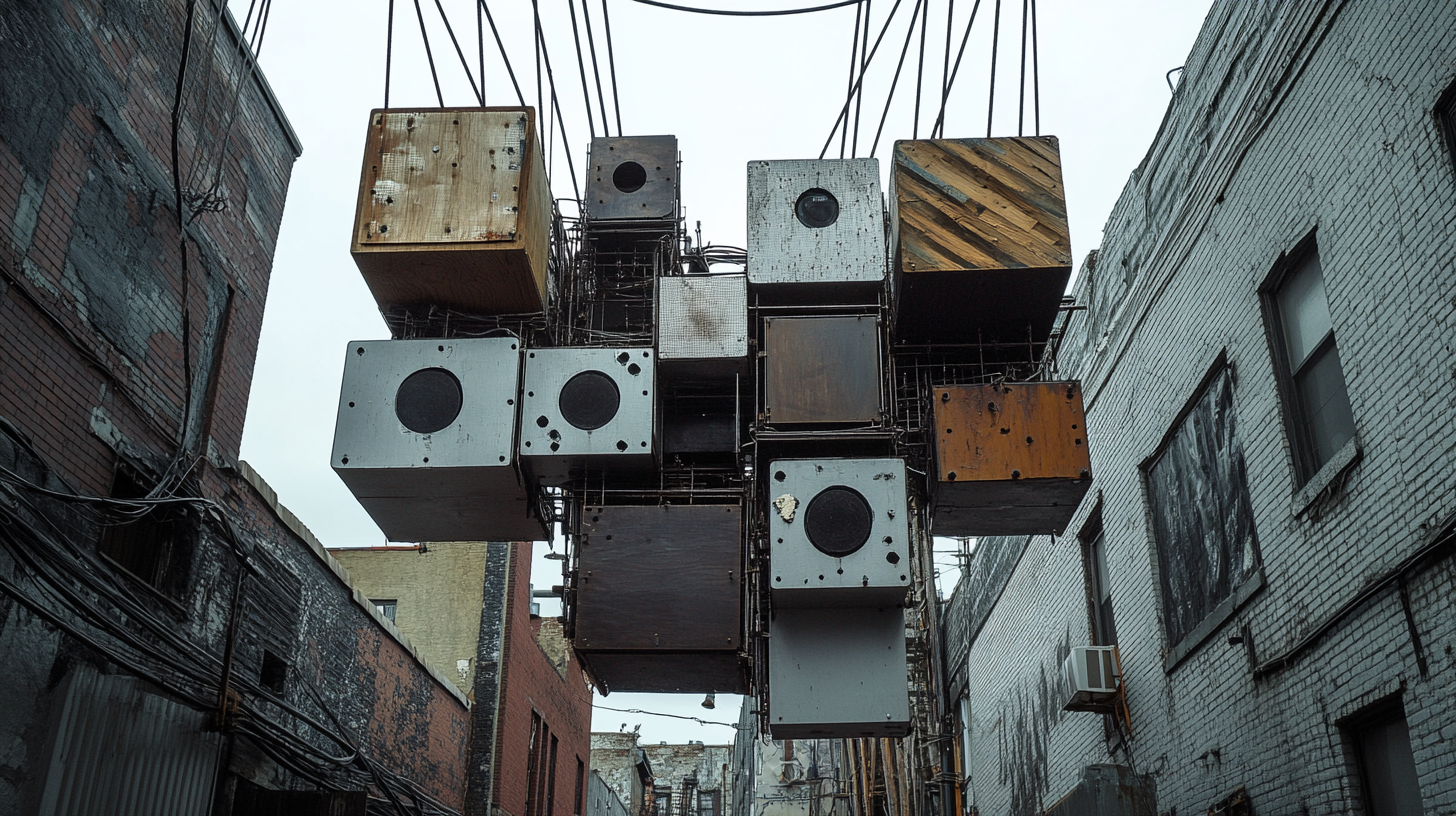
[821,371]
[454,210]
[979,245]
[658,597]
[1009,459]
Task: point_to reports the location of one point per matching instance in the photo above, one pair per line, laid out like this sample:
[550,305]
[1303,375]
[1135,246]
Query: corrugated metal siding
[601,800]
[120,751]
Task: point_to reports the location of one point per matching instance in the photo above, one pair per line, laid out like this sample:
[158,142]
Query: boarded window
[1202,519]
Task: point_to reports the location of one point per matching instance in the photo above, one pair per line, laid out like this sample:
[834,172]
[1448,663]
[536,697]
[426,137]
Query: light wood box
[454,210]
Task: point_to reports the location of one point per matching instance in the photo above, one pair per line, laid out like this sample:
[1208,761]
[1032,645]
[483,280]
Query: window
[1099,589]
[1319,416]
[1203,523]
[387,607]
[1387,766]
[662,801]
[580,785]
[708,803]
[551,779]
[1446,117]
[533,754]
[153,546]
[273,673]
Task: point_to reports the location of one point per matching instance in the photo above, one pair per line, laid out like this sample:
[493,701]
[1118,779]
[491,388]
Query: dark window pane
[1102,624]
[1325,404]
[1305,310]
[1389,769]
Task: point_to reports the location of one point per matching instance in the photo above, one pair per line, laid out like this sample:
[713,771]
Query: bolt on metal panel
[838,532]
[815,222]
[588,406]
[838,673]
[425,439]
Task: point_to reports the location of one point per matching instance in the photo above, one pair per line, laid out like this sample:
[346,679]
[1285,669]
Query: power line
[698,720]
[779,13]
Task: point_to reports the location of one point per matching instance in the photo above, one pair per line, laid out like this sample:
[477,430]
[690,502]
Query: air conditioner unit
[1091,674]
[816,228]
[588,407]
[839,534]
[426,435]
[632,178]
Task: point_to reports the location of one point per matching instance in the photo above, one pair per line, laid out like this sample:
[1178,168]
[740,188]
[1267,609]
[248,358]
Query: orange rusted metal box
[454,210]
[1010,459]
[979,245]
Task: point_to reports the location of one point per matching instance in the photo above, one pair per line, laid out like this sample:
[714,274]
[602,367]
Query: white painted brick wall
[1349,146]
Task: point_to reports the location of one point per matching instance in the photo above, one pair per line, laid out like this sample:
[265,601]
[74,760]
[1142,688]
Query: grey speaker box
[702,325]
[838,532]
[588,407]
[632,178]
[816,228]
[425,439]
[838,673]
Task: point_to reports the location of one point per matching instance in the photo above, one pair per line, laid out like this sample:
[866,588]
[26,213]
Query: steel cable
[728,13]
[460,53]
[596,68]
[909,38]
[849,82]
[429,55]
[612,63]
[504,57]
[939,130]
[844,112]
[581,66]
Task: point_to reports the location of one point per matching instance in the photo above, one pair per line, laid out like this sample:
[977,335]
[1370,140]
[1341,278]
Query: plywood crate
[454,210]
[658,595]
[1010,459]
[980,250]
[821,371]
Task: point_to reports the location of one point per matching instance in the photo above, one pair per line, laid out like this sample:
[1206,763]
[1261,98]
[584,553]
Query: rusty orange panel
[1010,459]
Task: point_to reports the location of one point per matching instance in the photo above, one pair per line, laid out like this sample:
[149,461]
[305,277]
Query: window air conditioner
[1092,674]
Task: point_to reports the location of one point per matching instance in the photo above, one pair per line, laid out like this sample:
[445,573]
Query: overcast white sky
[731,89]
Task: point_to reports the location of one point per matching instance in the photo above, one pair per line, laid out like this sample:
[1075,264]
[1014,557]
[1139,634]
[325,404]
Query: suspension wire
[555,100]
[581,65]
[1021,103]
[849,83]
[945,70]
[388,52]
[995,43]
[1035,73]
[612,64]
[428,54]
[939,130]
[596,69]
[461,53]
[504,56]
[844,111]
[480,39]
[919,74]
[779,13]
[909,38]
[864,63]
[540,93]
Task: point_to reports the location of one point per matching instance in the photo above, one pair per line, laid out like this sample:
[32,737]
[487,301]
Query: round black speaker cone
[589,400]
[817,208]
[629,177]
[428,400]
[838,521]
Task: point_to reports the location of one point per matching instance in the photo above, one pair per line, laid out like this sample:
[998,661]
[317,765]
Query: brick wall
[1289,118]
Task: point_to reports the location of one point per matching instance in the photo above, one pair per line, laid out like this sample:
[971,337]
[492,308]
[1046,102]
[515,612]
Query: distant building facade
[1268,358]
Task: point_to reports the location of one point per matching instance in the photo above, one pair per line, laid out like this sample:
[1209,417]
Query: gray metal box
[702,324]
[425,435]
[632,178]
[588,406]
[816,222]
[838,532]
[838,673]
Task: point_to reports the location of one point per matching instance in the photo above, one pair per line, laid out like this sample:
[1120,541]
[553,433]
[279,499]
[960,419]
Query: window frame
[1354,728]
[1302,447]
[1445,113]
[1094,533]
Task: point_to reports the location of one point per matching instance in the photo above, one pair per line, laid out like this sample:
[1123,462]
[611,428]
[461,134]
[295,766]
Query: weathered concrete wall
[1288,118]
[693,767]
[614,756]
[601,800]
[439,589]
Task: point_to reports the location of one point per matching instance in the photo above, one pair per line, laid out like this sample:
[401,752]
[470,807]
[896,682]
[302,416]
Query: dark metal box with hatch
[658,597]
[839,534]
[821,371]
[425,439]
[588,407]
[838,673]
[1010,459]
[632,178]
[454,210]
[816,229]
[979,248]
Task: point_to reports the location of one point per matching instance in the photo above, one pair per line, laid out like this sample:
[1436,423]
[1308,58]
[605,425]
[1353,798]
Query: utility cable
[612,63]
[995,43]
[596,68]
[939,130]
[460,53]
[844,112]
[727,13]
[429,55]
[849,83]
[504,56]
[581,66]
[697,720]
[909,38]
[186,337]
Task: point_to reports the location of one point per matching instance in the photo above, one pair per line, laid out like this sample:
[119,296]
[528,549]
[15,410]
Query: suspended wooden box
[979,245]
[454,210]
[1009,459]
[658,597]
[821,371]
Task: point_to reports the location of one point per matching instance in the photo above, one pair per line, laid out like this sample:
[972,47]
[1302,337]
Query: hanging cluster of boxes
[747,466]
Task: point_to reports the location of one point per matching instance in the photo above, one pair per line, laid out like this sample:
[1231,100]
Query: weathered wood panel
[821,370]
[454,210]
